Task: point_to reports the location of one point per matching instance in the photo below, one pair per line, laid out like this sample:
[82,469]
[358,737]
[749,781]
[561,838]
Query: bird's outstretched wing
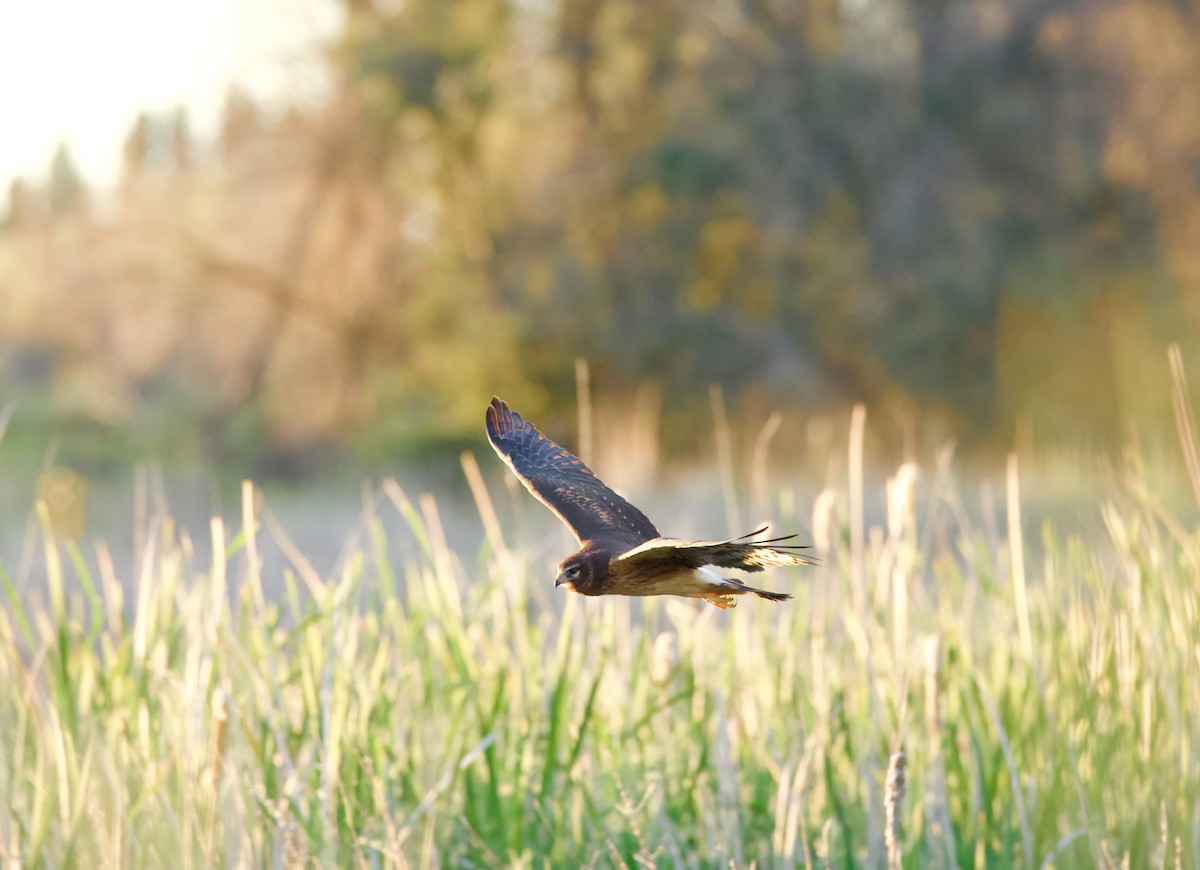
[668,553]
[563,483]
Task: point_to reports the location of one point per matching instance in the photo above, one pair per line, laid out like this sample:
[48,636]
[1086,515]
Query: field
[956,685]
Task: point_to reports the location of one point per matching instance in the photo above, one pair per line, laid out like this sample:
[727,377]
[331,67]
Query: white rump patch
[708,575]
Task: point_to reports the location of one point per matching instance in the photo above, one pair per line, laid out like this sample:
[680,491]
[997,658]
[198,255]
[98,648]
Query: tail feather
[721,590]
[770,596]
[725,600]
[741,589]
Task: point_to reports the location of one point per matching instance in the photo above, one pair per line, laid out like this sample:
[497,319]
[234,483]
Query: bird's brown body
[621,552]
[604,571]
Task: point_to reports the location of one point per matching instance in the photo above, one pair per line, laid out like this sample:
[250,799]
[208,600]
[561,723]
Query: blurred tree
[67,192]
[137,147]
[161,142]
[19,207]
[968,209]
[180,139]
[240,122]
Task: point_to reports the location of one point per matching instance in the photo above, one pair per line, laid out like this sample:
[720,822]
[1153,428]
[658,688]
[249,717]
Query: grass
[937,696]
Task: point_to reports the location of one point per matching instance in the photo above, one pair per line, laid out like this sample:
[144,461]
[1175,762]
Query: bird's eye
[573,571]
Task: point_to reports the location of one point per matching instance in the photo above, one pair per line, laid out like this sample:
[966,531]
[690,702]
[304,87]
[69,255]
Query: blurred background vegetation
[734,219]
[981,215]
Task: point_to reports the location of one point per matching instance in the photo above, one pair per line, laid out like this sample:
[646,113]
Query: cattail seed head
[893,798]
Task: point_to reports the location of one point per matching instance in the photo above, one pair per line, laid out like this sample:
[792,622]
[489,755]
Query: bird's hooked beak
[567,577]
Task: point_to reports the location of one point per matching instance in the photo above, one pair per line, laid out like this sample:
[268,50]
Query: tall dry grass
[431,706]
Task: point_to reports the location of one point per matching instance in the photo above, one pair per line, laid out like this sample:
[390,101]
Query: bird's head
[576,573]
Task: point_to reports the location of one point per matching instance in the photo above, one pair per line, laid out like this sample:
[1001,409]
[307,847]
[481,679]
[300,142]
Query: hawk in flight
[621,552]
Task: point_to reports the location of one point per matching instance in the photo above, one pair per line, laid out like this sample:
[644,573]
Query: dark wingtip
[753,533]
[772,543]
[501,419]
[496,418]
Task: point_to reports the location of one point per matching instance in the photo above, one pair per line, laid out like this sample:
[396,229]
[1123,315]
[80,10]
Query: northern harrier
[621,552]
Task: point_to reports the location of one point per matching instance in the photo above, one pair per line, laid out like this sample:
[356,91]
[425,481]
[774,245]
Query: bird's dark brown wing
[563,483]
[672,554]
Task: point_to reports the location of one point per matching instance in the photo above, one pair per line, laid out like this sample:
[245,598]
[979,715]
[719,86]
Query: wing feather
[561,481]
[672,553]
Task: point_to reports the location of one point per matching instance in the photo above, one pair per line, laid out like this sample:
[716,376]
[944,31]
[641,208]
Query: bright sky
[81,70]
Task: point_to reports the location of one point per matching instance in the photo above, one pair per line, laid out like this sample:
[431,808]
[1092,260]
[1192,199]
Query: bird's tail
[725,600]
[741,589]
[770,596]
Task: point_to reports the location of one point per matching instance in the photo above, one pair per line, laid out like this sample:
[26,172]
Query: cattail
[937,799]
[216,746]
[893,798]
[1165,830]
[583,393]
[901,500]
[823,521]
[665,657]
[933,671]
